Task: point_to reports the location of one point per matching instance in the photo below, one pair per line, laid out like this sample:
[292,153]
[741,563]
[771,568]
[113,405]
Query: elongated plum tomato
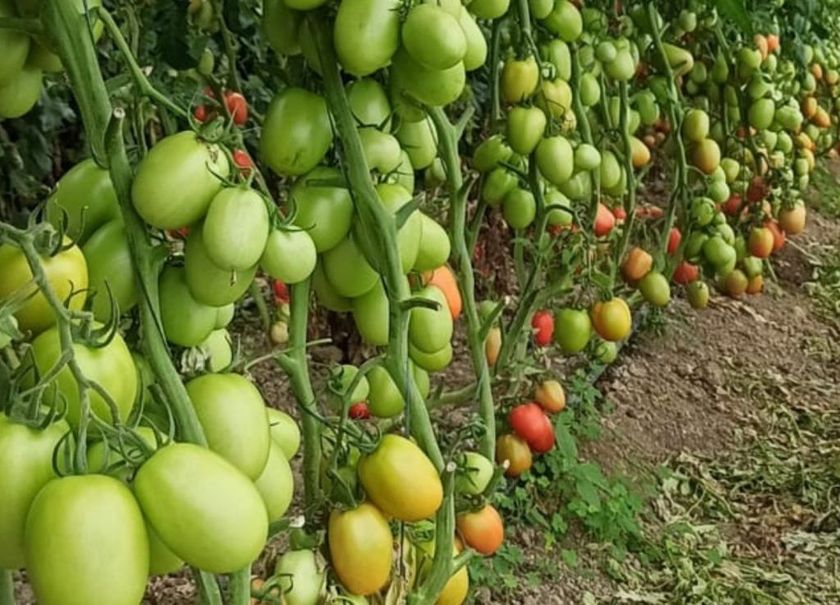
[519,79]
[551,396]
[482,530]
[66,273]
[236,228]
[300,577]
[543,324]
[612,319]
[419,139]
[384,399]
[430,330]
[525,128]
[208,283]
[289,256]
[604,221]
[20,93]
[400,480]
[370,313]
[15,44]
[296,132]
[323,210]
[276,483]
[686,273]
[232,413]
[572,329]
[366,34]
[347,269]
[434,245]
[110,270]
[516,452]
[70,521]
[110,366]
[186,322]
[555,159]
[655,289]
[530,423]
[177,179]
[26,456]
[360,548]
[394,197]
[204,509]
[281,27]
[432,87]
[519,208]
[433,37]
[761,242]
[637,264]
[85,198]
[444,278]
[284,432]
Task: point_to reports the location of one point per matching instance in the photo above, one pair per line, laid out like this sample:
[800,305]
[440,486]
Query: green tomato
[347,269]
[590,90]
[235,229]
[297,132]
[606,352]
[419,139]
[476,55]
[384,399]
[110,269]
[281,27]
[490,153]
[186,322]
[409,235]
[434,245]
[299,577]
[289,256]
[369,103]
[488,9]
[344,377]
[276,484]
[433,37]
[655,289]
[70,521]
[525,128]
[370,312]
[326,293]
[324,210]
[284,432]
[15,45]
[556,159]
[519,208]
[85,198]
[474,474]
[430,330]
[431,362]
[381,150]
[565,21]
[20,92]
[557,53]
[110,366]
[26,455]
[496,186]
[433,87]
[366,34]
[205,510]
[718,252]
[217,349]
[572,329]
[177,180]
[208,283]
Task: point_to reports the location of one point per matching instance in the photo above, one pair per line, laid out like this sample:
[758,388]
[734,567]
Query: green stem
[229,45]
[30,26]
[7,588]
[630,199]
[240,587]
[466,277]
[296,365]
[262,307]
[208,588]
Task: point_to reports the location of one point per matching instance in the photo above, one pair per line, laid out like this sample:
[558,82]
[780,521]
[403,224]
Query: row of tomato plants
[130,427]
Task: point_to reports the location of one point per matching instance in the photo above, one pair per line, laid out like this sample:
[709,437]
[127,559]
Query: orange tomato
[604,221]
[637,264]
[762,45]
[444,278]
[773,43]
[778,235]
[761,242]
[483,530]
[755,284]
[809,107]
[674,239]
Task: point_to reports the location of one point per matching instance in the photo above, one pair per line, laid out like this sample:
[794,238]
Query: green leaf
[735,11]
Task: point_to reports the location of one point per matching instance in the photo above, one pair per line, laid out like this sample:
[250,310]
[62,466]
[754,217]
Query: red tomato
[543,324]
[281,291]
[757,190]
[619,213]
[778,235]
[732,206]
[674,239]
[686,273]
[359,411]
[531,424]
[243,161]
[604,221]
[482,530]
[237,106]
[200,113]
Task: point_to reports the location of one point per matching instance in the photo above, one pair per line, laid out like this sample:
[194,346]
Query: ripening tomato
[209,283]
[519,79]
[778,235]
[655,289]
[85,198]
[361,547]
[474,474]
[177,179]
[530,423]
[26,455]
[235,228]
[237,107]
[202,507]
[111,366]
[695,126]
[493,345]
[706,155]
[66,273]
[572,329]
[674,240]
[525,128]
[792,220]
[735,284]
[400,480]
[637,264]
[755,284]
[110,270]
[543,324]
[444,278]
[233,415]
[482,530]
[72,519]
[551,396]
[612,319]
[514,451]
[686,273]
[761,242]
[604,221]
[297,132]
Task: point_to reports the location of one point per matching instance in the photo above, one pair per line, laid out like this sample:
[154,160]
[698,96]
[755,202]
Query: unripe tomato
[324,211]
[606,352]
[110,269]
[476,54]
[434,245]
[519,79]
[297,132]
[281,26]
[233,415]
[497,184]
[400,480]
[409,235]
[384,399]
[565,21]
[622,68]
[555,99]
[419,139]
[177,180]
[557,53]
[686,273]
[370,313]
[300,577]
[205,510]
[698,294]
[347,269]
[186,322]
[514,451]
[706,156]
[276,484]
[735,284]
[530,423]
[430,330]
[543,324]
[235,228]
[369,103]
[366,34]
[360,548]
[208,283]
[590,90]
[19,93]
[289,256]
[550,396]
[718,252]
[482,530]
[519,208]
[66,273]
[489,9]
[655,289]
[587,157]
[696,125]
[85,199]
[432,87]
[761,113]
[431,362]
[572,329]
[752,266]
[612,319]
[70,520]
[490,153]
[15,44]
[492,345]
[474,474]
[525,128]
[284,432]
[555,159]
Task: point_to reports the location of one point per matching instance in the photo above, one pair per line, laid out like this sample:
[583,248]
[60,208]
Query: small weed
[825,184]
